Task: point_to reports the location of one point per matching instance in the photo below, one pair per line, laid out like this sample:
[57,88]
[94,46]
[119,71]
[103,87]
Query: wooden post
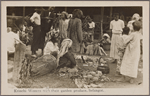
[23,12]
[18,58]
[111,13]
[111,16]
[66,9]
[102,13]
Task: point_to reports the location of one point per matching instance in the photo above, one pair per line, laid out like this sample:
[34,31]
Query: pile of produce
[92,74]
[91,79]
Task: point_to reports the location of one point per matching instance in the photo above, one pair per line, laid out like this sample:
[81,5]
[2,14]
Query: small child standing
[130,61]
[121,49]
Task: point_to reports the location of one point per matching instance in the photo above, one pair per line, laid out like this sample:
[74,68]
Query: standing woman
[75,30]
[116,26]
[36,22]
[63,24]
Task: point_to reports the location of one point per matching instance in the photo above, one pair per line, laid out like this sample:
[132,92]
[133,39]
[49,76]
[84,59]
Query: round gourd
[104,77]
[85,76]
[92,73]
[97,75]
[95,79]
[89,76]
[100,73]
[93,85]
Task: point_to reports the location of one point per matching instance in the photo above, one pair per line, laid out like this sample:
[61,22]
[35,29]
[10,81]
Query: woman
[36,21]
[116,27]
[75,30]
[65,57]
[134,17]
[63,24]
[51,47]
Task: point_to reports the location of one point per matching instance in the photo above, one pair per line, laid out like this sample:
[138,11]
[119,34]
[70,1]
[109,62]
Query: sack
[43,65]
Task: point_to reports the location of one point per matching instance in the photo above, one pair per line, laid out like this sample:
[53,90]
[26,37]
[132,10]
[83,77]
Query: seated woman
[51,47]
[105,40]
[65,57]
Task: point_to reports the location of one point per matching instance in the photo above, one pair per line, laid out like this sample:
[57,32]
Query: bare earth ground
[55,81]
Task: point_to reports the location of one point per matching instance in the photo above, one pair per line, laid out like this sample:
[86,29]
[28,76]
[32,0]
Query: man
[47,17]
[116,26]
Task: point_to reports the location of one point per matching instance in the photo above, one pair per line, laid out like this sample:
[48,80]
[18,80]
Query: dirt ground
[53,80]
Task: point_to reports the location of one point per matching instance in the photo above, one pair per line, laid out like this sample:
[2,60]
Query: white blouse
[117,26]
[50,47]
[11,36]
[36,18]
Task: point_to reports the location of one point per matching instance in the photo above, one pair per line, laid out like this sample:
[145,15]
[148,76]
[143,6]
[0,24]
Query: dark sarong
[36,38]
[42,41]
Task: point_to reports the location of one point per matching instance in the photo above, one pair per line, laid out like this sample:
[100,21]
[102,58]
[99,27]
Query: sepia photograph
[75,48]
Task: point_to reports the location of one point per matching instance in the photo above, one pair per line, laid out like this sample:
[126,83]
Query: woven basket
[106,47]
[43,65]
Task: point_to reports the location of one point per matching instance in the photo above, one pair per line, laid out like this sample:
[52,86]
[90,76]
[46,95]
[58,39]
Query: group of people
[63,36]
[125,46]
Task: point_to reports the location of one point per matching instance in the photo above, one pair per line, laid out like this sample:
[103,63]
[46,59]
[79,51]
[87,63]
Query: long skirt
[114,46]
[36,38]
[42,42]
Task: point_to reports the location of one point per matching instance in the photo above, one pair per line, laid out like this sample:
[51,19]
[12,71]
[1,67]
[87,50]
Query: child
[121,49]
[130,61]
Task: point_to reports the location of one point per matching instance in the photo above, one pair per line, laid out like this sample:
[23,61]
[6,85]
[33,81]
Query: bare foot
[122,79]
[118,74]
[131,81]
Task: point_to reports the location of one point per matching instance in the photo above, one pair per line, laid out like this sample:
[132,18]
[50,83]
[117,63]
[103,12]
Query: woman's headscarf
[67,15]
[106,35]
[65,45]
[136,17]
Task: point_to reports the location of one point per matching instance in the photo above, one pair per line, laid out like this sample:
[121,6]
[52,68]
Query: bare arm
[79,31]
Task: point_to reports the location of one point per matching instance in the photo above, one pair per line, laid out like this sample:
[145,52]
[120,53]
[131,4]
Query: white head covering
[136,17]
[106,35]
[65,45]
[64,12]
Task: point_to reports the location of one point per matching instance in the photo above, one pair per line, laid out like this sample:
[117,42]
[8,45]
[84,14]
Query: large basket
[43,65]
[106,47]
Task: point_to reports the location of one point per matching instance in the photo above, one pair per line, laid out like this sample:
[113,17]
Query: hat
[136,16]
[64,12]
[106,35]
